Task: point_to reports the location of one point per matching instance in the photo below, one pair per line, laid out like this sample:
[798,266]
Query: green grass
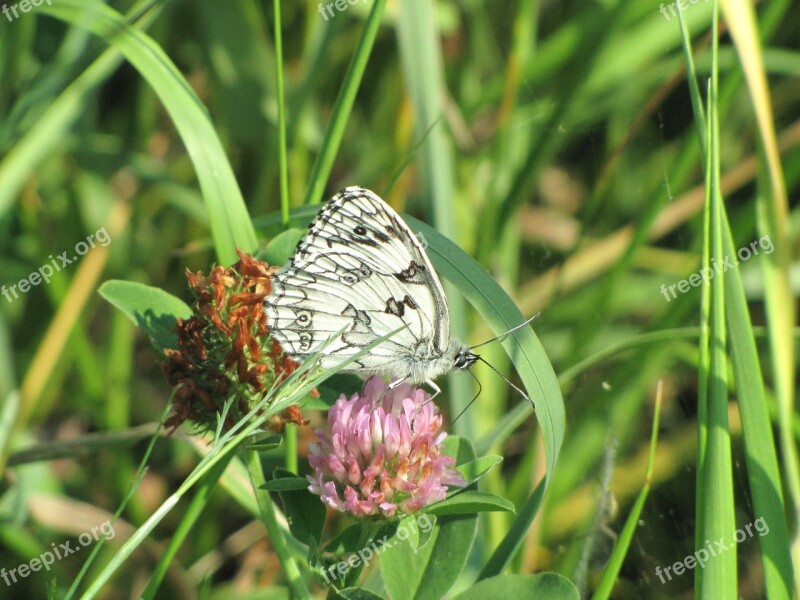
[565,159]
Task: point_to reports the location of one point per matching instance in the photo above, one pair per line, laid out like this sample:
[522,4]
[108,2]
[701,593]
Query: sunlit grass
[571,150]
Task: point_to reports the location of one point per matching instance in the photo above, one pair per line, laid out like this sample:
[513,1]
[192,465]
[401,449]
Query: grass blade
[231,226]
[421,57]
[718,578]
[343,106]
[760,453]
[612,570]
[529,359]
[773,221]
[522,346]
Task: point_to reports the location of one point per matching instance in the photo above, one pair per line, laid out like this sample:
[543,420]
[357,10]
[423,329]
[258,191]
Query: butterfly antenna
[502,336]
[480,388]
[504,378]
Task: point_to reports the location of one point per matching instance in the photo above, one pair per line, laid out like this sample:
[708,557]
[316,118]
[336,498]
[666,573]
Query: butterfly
[361,271]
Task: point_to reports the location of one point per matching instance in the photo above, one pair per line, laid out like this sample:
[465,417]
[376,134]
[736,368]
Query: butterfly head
[464,359]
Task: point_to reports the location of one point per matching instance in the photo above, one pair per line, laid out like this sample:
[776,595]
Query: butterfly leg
[436,390]
[395,383]
[389,387]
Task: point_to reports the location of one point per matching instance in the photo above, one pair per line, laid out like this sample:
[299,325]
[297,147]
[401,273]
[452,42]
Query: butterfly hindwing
[362,270]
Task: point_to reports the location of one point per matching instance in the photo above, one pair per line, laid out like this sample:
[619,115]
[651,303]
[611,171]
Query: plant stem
[284,179]
[270,518]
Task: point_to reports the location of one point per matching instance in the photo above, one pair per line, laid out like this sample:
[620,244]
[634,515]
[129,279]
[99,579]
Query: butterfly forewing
[361,269]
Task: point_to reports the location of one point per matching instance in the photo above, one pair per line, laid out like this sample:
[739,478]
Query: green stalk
[612,570]
[270,518]
[715,510]
[760,453]
[140,473]
[772,221]
[282,166]
[290,434]
[344,104]
[186,525]
[292,390]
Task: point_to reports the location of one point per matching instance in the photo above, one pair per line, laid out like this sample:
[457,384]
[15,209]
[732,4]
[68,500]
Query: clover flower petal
[381,453]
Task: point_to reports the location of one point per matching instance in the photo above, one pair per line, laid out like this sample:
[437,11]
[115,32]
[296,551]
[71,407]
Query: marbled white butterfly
[361,270]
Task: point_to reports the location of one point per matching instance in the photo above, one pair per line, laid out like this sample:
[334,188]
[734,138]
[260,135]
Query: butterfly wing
[362,270]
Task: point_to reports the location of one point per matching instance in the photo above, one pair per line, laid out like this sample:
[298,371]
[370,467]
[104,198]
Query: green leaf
[522,346]
[422,528]
[282,246]
[354,593]
[763,468]
[470,502]
[152,309]
[459,448]
[427,573]
[346,541]
[304,511]
[420,571]
[516,533]
[265,444]
[715,495]
[475,469]
[350,540]
[528,357]
[285,484]
[330,391]
[542,586]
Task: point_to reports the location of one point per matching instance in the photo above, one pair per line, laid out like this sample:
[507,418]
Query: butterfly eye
[360,230]
[464,360]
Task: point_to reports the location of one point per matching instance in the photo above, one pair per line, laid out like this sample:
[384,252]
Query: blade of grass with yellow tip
[760,453]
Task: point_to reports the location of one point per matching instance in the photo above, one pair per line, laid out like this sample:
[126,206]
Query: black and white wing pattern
[361,269]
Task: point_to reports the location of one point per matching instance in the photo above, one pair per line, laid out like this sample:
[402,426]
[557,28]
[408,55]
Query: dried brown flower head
[225,349]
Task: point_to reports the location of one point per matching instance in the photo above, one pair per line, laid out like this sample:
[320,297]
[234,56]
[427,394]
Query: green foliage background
[561,145]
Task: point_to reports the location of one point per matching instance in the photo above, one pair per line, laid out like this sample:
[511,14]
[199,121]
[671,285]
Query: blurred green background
[552,141]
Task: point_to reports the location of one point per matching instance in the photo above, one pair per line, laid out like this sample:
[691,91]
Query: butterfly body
[361,271]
